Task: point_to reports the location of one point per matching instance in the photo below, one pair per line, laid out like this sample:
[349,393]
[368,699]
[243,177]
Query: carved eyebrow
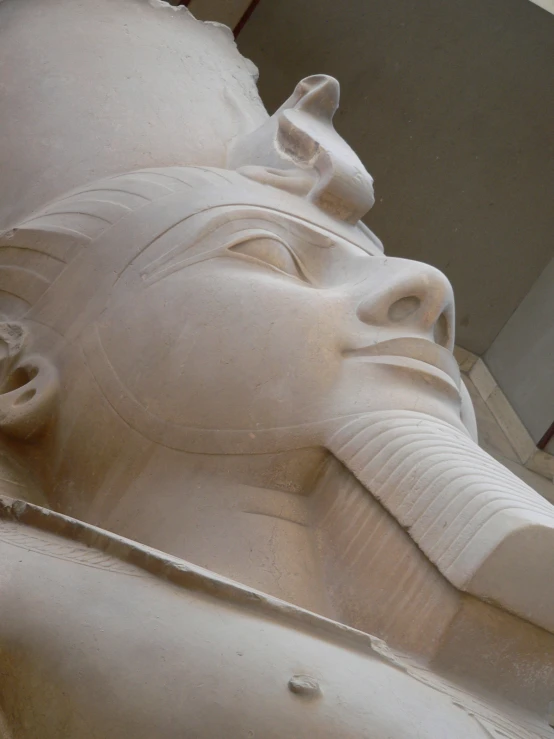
[178,259]
[314,236]
[311,235]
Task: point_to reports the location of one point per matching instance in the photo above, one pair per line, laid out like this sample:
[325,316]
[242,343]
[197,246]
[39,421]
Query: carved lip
[421,355]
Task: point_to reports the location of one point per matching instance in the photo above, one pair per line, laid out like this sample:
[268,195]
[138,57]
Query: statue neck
[244,517]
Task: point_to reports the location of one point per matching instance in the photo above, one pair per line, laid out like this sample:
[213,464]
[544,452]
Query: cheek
[262,327]
[227,348]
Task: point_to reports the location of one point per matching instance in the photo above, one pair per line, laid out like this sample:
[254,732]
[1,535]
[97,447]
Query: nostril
[403,308]
[25,397]
[441,333]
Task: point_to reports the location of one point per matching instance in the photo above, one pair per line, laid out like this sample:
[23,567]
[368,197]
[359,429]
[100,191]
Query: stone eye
[271,252]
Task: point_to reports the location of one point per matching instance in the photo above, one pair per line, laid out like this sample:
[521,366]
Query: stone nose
[412,296]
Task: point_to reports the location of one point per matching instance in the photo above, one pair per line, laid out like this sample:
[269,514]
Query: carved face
[261,323]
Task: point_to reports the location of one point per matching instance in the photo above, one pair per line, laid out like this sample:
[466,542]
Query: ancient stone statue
[235,443]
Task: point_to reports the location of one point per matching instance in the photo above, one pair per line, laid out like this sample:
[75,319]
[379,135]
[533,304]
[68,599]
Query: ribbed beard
[471,516]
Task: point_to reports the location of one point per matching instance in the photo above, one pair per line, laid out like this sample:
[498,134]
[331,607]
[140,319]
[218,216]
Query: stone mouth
[415,354]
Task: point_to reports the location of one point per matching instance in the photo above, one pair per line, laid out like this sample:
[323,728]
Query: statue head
[248,312]
[244,310]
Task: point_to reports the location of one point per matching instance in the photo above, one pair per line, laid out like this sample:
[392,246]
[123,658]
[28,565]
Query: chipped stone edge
[165,4]
[218,27]
[185,575]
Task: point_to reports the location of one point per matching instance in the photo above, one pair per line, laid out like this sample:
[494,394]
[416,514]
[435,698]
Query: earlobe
[28,407]
[29,387]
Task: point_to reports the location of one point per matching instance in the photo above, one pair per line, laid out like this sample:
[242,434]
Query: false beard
[486,531]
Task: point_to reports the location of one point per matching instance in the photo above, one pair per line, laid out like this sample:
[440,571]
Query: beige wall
[450,106]
[522,356]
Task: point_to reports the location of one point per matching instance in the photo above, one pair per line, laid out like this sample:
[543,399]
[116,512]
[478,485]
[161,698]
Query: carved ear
[29,386]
